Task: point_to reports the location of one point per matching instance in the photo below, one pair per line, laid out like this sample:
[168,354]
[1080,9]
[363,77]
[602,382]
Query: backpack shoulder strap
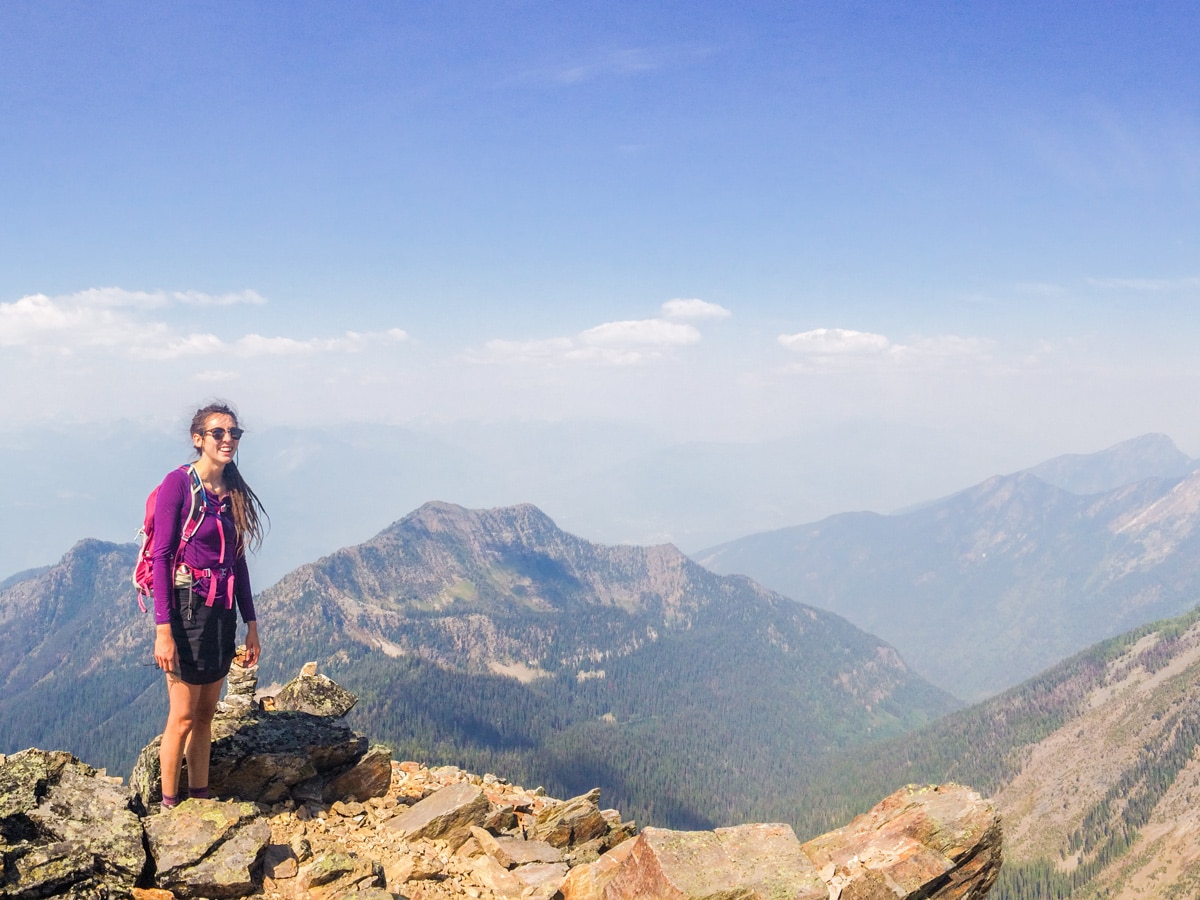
[197,508]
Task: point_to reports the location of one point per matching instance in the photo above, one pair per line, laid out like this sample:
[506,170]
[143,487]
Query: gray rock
[25,775]
[207,848]
[263,757]
[575,821]
[370,777]
[65,829]
[339,875]
[93,814]
[226,872]
[315,694]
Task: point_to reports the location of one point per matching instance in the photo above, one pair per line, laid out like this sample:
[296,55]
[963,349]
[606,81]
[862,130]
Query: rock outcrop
[300,753]
[67,830]
[65,827]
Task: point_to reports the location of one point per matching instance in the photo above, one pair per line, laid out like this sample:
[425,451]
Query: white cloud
[621,343]
[694,309]
[842,348]
[120,321]
[835,342]
[641,332]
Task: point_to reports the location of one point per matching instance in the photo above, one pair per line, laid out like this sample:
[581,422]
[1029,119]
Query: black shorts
[205,637]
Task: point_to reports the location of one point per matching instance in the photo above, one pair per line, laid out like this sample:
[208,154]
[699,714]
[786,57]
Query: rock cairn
[354,823]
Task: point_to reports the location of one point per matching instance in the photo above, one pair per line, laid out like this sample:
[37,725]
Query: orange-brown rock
[940,842]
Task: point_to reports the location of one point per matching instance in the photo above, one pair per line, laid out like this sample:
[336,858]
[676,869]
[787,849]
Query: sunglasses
[235,434]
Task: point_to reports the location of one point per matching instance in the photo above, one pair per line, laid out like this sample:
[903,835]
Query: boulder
[939,841]
[65,829]
[587,882]
[370,777]
[339,875]
[207,848]
[677,865]
[93,814]
[315,694]
[448,813]
[575,821]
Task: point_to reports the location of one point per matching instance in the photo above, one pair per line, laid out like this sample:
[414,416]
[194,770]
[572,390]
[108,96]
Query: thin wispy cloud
[608,63]
[1147,285]
[620,343]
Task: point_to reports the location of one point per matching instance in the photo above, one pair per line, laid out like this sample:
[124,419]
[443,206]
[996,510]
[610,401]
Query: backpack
[143,570]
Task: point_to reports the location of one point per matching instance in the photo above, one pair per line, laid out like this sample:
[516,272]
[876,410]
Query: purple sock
[168,801]
[198,793]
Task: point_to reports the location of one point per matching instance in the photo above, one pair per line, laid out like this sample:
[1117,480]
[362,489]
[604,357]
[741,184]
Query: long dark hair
[248,511]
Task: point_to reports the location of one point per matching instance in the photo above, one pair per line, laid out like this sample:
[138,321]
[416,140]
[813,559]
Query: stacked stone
[240,687]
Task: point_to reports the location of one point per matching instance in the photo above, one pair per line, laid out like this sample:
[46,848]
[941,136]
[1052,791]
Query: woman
[195,624]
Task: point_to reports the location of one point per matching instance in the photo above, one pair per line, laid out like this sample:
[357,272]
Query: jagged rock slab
[677,865]
[941,842]
[339,875]
[448,813]
[512,851]
[207,848]
[370,777]
[575,821]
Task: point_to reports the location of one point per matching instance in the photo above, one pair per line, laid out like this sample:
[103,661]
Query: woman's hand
[166,656]
[253,647]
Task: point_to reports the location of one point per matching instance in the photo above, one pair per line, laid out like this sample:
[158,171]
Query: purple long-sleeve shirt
[202,552]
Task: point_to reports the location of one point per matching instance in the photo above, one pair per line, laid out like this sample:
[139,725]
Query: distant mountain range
[496,640]
[77,661]
[985,588]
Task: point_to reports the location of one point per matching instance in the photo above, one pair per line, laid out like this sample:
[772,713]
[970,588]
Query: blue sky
[723,222]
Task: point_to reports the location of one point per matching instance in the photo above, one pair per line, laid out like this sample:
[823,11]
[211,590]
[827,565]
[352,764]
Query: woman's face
[217,452]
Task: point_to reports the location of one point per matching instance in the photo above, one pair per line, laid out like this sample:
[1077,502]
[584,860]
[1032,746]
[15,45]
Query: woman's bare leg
[199,745]
[180,717]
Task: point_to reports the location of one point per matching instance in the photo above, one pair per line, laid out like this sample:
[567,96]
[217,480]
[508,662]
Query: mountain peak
[1139,458]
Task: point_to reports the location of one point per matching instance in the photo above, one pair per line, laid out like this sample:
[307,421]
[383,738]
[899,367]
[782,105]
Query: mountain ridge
[492,639]
[996,582]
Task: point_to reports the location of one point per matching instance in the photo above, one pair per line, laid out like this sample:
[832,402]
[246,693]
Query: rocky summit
[311,809]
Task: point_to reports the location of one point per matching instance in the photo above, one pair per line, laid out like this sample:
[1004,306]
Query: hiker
[195,622]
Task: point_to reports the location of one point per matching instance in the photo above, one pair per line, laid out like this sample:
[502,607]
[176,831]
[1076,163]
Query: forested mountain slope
[77,660]
[1093,766]
[495,640]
